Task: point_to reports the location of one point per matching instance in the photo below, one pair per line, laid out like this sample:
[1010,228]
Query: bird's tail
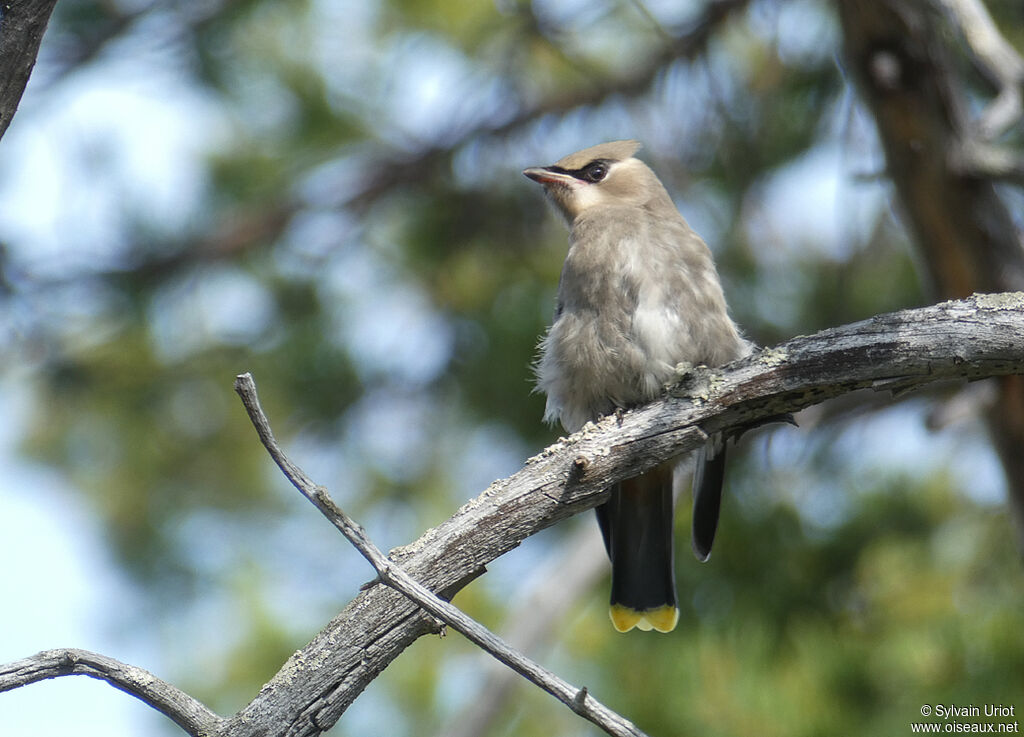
[636,523]
[708,477]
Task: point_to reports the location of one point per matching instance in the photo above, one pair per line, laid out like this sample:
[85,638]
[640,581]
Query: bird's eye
[595,172]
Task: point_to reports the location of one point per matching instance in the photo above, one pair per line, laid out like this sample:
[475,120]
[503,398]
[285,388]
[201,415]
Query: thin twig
[577,699]
[185,711]
[542,609]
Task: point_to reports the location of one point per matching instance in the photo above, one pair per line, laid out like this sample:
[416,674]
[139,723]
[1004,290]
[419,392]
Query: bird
[639,299]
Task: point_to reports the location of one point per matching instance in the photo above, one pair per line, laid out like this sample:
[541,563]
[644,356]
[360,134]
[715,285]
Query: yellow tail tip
[663,618]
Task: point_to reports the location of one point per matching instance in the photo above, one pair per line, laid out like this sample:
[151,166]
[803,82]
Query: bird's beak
[545,175]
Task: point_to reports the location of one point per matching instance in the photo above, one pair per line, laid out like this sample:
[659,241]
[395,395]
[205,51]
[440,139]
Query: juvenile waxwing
[638,295]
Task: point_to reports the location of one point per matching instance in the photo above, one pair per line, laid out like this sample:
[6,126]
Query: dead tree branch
[182,709]
[968,339]
[391,574]
[22,23]
[531,624]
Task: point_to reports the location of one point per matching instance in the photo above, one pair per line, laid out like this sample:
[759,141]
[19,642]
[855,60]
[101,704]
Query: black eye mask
[595,171]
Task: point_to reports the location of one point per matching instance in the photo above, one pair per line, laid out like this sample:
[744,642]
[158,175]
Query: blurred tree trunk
[21,29]
[898,53]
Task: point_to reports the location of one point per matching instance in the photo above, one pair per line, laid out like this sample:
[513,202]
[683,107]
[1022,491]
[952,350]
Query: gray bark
[22,23]
[970,339]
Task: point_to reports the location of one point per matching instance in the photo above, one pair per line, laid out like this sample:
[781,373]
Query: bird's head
[601,176]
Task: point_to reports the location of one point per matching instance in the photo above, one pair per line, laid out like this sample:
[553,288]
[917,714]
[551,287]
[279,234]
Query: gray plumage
[638,295]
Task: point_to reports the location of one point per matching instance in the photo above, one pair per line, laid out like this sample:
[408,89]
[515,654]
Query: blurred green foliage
[363,243]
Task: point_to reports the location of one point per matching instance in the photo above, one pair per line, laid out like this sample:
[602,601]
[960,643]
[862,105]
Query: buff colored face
[605,175]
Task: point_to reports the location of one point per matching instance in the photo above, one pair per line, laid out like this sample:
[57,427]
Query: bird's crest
[612,151]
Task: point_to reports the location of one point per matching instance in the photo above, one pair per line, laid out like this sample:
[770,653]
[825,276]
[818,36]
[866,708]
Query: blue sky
[66,589]
[60,589]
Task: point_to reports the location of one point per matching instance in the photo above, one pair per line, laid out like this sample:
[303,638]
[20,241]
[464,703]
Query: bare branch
[1001,64]
[998,60]
[575,698]
[907,78]
[538,615]
[182,709]
[968,339]
[22,23]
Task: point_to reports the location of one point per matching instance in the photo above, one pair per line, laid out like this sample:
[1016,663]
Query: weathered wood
[969,339]
[392,574]
[188,713]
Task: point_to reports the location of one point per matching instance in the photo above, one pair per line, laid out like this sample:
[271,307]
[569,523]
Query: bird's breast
[636,299]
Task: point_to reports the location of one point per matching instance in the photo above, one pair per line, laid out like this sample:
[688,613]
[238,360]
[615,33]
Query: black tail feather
[636,523]
[708,477]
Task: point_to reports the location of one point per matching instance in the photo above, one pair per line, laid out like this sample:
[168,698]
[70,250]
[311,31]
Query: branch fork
[966,339]
[394,576]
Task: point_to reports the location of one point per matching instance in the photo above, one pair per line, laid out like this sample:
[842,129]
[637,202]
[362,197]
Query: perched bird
[638,295]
